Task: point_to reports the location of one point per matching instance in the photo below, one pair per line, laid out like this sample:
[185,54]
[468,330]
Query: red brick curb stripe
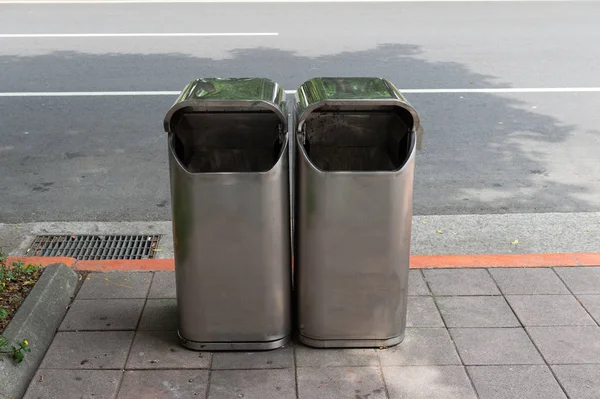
[417,262]
[99,265]
[505,260]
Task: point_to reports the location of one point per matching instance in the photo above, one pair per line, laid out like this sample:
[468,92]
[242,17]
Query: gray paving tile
[460,282]
[421,346]
[567,345]
[549,310]
[422,312]
[161,349]
[495,346]
[581,280]
[115,285]
[580,381]
[103,314]
[340,382]
[416,283]
[88,350]
[476,311]
[252,384]
[164,384]
[311,357]
[428,382]
[515,382]
[74,384]
[528,281]
[163,285]
[276,359]
[159,314]
[592,304]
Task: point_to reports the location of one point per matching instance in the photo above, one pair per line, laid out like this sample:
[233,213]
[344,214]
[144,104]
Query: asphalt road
[104,158]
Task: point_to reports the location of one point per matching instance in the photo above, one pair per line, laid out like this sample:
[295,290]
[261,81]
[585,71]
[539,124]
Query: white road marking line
[408,91]
[249,1]
[92,35]
[508,90]
[89,93]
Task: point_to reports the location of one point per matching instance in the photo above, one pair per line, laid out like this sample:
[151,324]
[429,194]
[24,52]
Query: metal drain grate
[95,247]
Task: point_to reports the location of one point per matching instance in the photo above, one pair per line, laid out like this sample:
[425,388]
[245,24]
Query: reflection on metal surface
[355,152]
[228,95]
[228,156]
[372,92]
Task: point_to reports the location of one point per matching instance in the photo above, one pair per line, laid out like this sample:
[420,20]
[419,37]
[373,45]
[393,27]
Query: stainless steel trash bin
[355,155]
[229,162]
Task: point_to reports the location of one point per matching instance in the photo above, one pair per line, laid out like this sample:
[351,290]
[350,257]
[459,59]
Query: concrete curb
[37,320]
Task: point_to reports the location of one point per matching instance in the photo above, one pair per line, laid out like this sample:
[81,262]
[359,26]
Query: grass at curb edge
[16,281]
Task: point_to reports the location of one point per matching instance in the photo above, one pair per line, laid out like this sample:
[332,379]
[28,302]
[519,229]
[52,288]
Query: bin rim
[268,96]
[312,96]
[262,173]
[319,171]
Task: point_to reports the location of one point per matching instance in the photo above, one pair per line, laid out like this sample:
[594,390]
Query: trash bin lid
[229,95]
[349,94]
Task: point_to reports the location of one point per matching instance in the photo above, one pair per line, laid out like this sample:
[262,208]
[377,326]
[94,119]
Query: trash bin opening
[380,140]
[213,142]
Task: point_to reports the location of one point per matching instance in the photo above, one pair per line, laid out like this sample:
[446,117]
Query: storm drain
[95,247]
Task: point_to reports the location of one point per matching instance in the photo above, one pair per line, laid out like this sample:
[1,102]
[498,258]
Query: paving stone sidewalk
[472,333]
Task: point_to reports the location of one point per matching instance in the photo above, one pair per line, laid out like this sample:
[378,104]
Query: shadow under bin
[228,158]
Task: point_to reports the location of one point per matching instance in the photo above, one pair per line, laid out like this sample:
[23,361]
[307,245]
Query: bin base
[232,346]
[351,343]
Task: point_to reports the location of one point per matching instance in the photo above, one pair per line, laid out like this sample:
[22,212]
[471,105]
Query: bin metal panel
[231,219]
[353,216]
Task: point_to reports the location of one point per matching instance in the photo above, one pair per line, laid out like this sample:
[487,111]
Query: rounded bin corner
[225,346]
[351,343]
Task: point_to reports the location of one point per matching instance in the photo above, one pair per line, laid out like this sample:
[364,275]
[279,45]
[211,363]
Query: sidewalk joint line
[462,362]
[210,374]
[528,335]
[574,296]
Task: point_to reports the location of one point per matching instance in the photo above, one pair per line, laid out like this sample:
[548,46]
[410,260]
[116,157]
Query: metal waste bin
[229,162]
[355,156]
